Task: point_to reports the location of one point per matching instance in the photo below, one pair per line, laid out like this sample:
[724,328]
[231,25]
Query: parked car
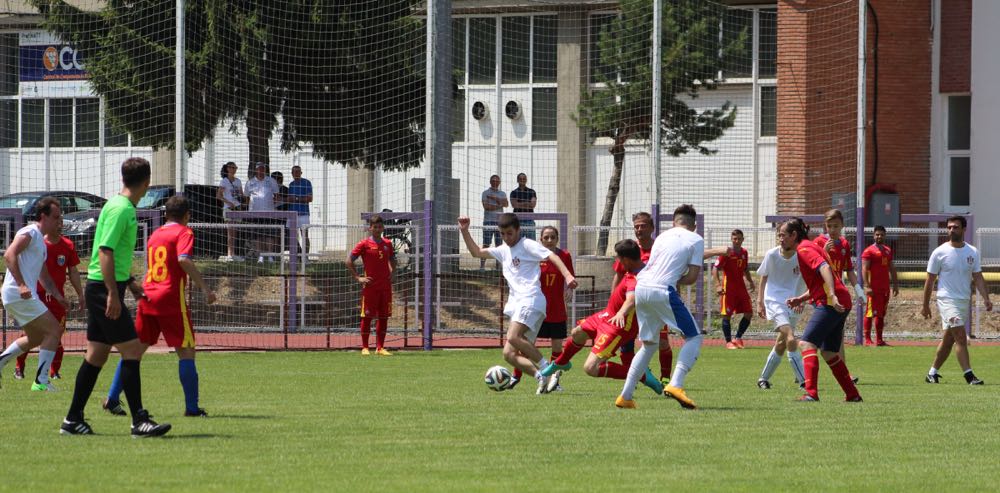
[70,202]
[205,208]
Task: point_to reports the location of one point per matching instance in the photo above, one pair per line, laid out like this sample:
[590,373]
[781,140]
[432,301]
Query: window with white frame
[65,122]
[957,151]
[527,58]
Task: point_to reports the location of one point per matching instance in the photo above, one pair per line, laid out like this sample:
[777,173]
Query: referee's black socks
[132,386]
[86,378]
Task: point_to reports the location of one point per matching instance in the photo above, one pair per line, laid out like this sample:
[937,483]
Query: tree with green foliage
[341,76]
[621,109]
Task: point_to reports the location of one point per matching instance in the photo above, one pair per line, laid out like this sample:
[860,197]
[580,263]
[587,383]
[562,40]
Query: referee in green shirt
[108,322]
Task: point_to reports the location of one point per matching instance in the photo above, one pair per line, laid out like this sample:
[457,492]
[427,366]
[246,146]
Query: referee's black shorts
[100,328]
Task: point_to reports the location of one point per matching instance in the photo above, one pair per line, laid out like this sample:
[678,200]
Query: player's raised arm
[474,249]
[556,261]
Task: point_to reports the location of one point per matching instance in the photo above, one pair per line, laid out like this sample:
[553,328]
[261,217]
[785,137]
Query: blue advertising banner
[51,62]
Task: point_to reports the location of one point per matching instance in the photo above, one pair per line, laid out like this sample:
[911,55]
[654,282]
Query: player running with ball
[520,258]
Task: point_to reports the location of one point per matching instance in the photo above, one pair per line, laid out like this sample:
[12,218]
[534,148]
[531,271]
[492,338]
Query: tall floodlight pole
[860,198]
[180,156]
[437,145]
[657,97]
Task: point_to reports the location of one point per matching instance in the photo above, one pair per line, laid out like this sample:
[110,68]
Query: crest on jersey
[795,270]
[516,262]
[970,260]
[61,260]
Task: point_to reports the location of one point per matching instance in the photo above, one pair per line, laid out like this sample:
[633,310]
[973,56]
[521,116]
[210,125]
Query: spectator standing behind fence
[231,194]
[494,200]
[300,194]
[281,200]
[262,190]
[524,199]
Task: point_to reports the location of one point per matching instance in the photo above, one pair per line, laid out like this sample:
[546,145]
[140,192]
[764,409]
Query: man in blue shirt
[300,194]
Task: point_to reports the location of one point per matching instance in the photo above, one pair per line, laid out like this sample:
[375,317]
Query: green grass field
[426,422]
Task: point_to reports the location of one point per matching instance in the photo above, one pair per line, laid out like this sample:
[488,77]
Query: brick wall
[817,102]
[956,45]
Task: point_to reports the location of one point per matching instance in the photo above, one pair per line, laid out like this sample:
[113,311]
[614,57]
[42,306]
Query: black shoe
[146,427]
[75,428]
[854,399]
[935,378]
[55,376]
[855,379]
[194,414]
[763,384]
[972,380]
[513,383]
[113,407]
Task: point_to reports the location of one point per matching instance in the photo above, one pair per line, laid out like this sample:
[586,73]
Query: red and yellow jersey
[840,254]
[643,255]
[733,266]
[61,257]
[880,258]
[554,287]
[811,256]
[617,299]
[166,281]
[376,255]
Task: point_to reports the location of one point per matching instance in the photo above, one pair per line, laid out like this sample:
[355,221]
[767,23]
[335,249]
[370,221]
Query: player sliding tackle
[611,328]
[526,306]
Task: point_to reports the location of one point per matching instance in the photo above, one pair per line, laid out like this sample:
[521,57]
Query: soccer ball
[497,378]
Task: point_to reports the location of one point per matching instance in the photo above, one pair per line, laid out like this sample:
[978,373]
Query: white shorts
[302,220]
[528,316]
[26,311]
[781,314]
[656,307]
[953,312]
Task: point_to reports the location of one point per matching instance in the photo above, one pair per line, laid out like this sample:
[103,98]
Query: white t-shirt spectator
[261,193]
[954,268]
[31,261]
[231,191]
[522,270]
[672,253]
[783,277]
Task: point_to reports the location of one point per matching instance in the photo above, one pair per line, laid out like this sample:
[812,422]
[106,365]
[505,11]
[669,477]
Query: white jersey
[954,268]
[522,270]
[31,261]
[783,277]
[672,253]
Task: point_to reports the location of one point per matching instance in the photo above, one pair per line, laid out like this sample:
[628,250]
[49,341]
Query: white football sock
[10,353]
[773,360]
[639,365]
[795,360]
[933,371]
[45,358]
[689,354]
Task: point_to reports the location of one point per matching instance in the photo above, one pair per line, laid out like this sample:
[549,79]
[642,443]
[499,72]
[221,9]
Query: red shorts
[176,328]
[731,303]
[878,303]
[57,310]
[376,303]
[607,337]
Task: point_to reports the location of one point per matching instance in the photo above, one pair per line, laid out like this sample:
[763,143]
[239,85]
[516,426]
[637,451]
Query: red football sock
[810,360]
[613,370]
[21,361]
[381,327]
[839,369]
[57,361]
[666,356]
[627,359]
[868,329]
[366,330]
[518,373]
[879,325]
[570,349]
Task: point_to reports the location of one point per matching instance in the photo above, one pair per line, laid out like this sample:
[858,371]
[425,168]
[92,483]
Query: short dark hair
[959,219]
[833,214]
[519,175]
[686,214]
[546,228]
[135,170]
[177,206]
[798,226]
[44,206]
[737,232]
[629,249]
[508,220]
[642,215]
[494,176]
[277,175]
[375,219]
[879,227]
